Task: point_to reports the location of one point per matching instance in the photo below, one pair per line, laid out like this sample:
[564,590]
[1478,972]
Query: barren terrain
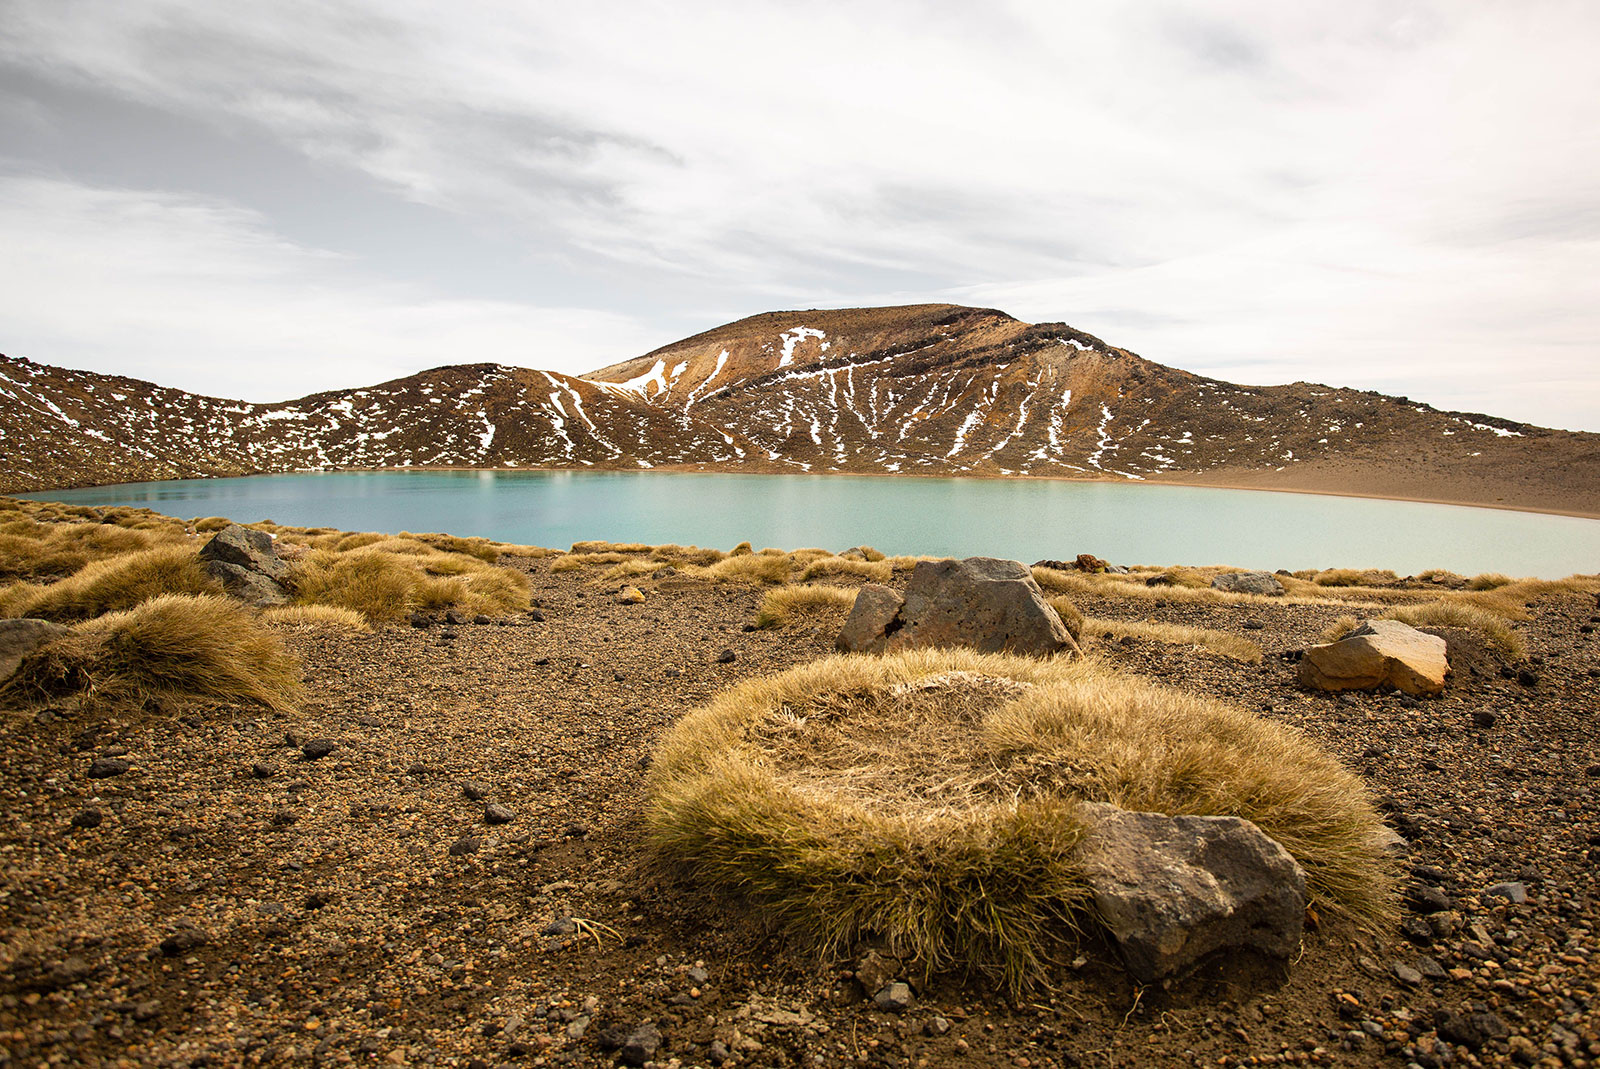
[230,900]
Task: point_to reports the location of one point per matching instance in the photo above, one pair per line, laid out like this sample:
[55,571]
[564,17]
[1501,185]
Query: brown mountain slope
[922,389]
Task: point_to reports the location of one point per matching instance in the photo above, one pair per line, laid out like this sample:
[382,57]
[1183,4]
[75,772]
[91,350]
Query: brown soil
[358,909]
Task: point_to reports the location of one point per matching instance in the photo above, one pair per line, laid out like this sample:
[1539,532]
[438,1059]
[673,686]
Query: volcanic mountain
[923,389]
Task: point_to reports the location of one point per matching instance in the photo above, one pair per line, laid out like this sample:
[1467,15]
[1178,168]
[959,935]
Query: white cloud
[203,296]
[1397,195]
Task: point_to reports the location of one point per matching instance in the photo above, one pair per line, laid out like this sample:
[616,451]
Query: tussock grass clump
[384,583]
[763,567]
[33,550]
[783,605]
[1353,577]
[1070,615]
[610,547]
[111,585]
[314,617]
[169,648]
[878,571]
[1233,646]
[929,799]
[1339,629]
[1459,613]
[1488,581]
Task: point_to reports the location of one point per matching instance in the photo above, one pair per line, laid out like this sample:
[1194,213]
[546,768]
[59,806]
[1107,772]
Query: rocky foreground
[437,860]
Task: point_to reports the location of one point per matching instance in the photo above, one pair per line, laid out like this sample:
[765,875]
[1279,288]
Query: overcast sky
[262,200]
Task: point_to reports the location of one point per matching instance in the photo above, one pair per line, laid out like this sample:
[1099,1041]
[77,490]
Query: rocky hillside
[925,389]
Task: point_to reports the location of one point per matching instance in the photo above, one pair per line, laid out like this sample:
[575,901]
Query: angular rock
[875,971]
[894,998]
[641,1045]
[250,587]
[1513,891]
[495,813]
[251,550]
[984,603]
[1170,890]
[630,595]
[18,638]
[875,609]
[1261,583]
[106,767]
[316,749]
[1376,654]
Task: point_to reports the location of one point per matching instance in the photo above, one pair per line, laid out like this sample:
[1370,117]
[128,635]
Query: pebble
[88,817]
[1405,973]
[1512,891]
[474,790]
[727,657]
[316,749]
[894,998]
[641,1045]
[495,813]
[467,844]
[263,770]
[106,767]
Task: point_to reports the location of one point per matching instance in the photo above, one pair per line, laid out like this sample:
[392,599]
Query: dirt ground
[230,900]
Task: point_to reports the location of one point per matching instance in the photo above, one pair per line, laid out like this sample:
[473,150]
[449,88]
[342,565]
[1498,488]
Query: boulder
[18,638]
[1171,890]
[1376,654]
[247,565]
[1262,583]
[987,604]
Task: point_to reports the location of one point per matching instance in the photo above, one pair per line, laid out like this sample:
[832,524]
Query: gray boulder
[247,565]
[987,604]
[18,638]
[1170,890]
[1261,583]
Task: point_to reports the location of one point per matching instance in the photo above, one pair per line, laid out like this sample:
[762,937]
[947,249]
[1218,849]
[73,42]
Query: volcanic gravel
[437,861]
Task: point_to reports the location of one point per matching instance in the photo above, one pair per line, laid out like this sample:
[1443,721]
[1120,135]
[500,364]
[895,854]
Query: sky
[258,201]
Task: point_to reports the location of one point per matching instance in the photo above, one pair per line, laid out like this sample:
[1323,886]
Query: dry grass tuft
[1488,581]
[313,617]
[1353,577]
[1339,629]
[111,585]
[169,648]
[760,567]
[781,606]
[1070,616]
[1461,613]
[1239,649]
[385,580]
[929,799]
[878,571]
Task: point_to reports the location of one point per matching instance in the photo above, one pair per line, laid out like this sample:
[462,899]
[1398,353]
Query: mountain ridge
[918,389]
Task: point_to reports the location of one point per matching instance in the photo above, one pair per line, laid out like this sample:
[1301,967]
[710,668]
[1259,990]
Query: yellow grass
[1339,628]
[1458,613]
[112,584]
[930,799]
[314,617]
[384,585]
[167,649]
[782,606]
[878,571]
[1233,646]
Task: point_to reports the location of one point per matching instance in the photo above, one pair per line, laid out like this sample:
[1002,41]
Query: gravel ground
[459,881]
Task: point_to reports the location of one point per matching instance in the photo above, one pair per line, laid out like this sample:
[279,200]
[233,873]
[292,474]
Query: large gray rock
[1261,583]
[250,550]
[1170,890]
[18,638]
[987,604]
[247,565]
[1376,654]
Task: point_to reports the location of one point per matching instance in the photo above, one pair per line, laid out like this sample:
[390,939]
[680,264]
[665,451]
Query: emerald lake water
[1023,519]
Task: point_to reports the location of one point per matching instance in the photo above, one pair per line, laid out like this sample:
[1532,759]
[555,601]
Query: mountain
[923,389]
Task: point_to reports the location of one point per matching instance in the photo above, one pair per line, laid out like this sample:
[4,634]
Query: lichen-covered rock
[1171,890]
[251,550]
[252,588]
[1376,654]
[983,603]
[1260,583]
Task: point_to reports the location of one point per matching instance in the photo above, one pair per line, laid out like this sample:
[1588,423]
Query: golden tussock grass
[385,580]
[1228,645]
[314,617]
[1339,629]
[763,567]
[1457,613]
[1069,613]
[929,799]
[1488,581]
[112,584]
[878,571]
[782,606]
[169,648]
[1353,577]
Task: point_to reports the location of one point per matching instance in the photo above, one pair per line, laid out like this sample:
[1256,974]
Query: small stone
[1513,891]
[936,1026]
[316,749]
[495,813]
[536,616]
[727,657]
[263,770]
[894,998]
[718,1052]
[641,1045]
[1253,625]
[560,926]
[421,621]
[1484,718]
[183,941]
[88,817]
[875,971]
[1426,899]
[468,844]
[1405,973]
[1431,969]
[630,595]
[106,767]
[482,619]
[474,790]
[1527,677]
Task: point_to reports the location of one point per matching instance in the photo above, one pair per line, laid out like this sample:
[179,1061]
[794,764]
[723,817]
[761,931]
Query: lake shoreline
[1581,514]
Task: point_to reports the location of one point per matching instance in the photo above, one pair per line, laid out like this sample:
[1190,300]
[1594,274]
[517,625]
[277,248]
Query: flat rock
[250,587]
[1378,653]
[641,1045]
[984,603]
[1264,584]
[19,638]
[1170,890]
[106,767]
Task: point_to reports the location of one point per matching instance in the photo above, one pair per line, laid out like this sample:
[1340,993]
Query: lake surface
[1024,519]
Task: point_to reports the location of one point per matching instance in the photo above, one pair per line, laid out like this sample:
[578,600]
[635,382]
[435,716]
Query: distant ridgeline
[924,389]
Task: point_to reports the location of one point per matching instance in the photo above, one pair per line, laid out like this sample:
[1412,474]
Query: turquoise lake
[1024,519]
